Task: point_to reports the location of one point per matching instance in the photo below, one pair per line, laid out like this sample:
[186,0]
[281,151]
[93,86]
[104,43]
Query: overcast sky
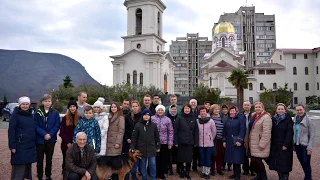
[90,31]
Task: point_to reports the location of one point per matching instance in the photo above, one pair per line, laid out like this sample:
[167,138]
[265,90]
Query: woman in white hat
[165,129]
[102,117]
[22,140]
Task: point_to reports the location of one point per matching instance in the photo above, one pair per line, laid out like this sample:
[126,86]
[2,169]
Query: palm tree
[239,80]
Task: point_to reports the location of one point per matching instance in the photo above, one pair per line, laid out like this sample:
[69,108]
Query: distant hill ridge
[32,73]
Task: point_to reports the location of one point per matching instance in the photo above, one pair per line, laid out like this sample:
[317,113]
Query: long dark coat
[22,137]
[234,127]
[281,135]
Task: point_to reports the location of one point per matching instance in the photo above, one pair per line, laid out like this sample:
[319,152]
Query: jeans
[135,167]
[152,166]
[21,172]
[45,149]
[205,156]
[75,176]
[304,160]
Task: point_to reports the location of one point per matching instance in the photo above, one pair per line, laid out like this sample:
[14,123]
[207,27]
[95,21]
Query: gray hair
[193,100]
[80,134]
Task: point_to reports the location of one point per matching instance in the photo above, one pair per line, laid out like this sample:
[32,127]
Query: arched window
[307,86]
[210,82]
[134,77]
[318,87]
[250,87]
[223,42]
[294,71]
[275,86]
[261,86]
[141,78]
[295,86]
[159,25]
[128,78]
[317,70]
[138,22]
[306,71]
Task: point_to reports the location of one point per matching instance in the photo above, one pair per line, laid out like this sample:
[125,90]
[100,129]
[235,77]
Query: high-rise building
[256,33]
[188,53]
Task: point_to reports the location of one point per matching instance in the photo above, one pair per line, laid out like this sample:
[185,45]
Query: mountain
[24,73]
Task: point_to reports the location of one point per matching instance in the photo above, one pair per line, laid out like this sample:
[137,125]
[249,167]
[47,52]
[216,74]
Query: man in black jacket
[80,160]
[145,138]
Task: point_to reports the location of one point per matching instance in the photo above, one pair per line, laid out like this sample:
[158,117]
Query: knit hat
[23,99]
[160,107]
[146,112]
[72,101]
[99,103]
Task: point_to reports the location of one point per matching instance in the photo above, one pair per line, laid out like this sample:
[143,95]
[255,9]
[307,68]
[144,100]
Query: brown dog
[121,165]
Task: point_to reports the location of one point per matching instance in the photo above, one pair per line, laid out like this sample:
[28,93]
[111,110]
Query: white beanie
[23,99]
[99,103]
[160,107]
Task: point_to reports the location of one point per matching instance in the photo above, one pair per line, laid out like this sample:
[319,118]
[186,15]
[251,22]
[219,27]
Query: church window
[307,86]
[261,86]
[159,20]
[317,70]
[294,70]
[134,77]
[141,78]
[318,87]
[274,85]
[138,46]
[158,48]
[294,56]
[223,42]
[210,81]
[250,87]
[306,71]
[138,22]
[295,86]
[128,78]
[305,56]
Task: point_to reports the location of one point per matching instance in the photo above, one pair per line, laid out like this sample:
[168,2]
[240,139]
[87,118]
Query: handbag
[234,139]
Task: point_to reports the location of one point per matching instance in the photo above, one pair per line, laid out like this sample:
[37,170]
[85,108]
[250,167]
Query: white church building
[144,61]
[297,67]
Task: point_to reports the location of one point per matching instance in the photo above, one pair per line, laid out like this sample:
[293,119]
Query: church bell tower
[144,25]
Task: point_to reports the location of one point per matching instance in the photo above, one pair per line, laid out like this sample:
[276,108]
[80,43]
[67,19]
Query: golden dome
[224,27]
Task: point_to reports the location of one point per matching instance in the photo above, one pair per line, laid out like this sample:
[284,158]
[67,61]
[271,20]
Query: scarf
[280,117]
[299,119]
[204,120]
[256,117]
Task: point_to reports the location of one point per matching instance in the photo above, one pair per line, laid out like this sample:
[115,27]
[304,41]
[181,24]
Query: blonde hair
[212,107]
[258,102]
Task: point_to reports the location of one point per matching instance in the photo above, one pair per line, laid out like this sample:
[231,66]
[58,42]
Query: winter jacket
[92,130]
[103,122]
[145,138]
[307,132]
[75,164]
[66,133]
[129,126]
[172,118]
[260,136]
[207,131]
[22,137]
[234,131]
[165,129]
[281,135]
[186,130]
[115,135]
[125,112]
[246,139]
[47,123]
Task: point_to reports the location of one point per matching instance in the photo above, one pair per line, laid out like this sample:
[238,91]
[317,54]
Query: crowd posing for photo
[207,139]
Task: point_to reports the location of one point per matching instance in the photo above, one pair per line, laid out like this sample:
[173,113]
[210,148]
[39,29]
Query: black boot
[182,173]
[188,175]
[232,176]
[264,176]
[280,174]
[258,177]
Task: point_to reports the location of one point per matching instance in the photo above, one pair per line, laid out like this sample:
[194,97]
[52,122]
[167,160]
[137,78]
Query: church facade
[144,61]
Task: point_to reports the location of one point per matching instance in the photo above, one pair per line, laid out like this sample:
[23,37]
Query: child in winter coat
[103,122]
[146,139]
[91,127]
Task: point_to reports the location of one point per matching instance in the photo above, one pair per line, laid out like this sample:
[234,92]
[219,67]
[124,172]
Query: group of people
[191,136]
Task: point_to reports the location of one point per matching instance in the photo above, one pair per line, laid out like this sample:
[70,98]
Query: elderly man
[194,107]
[80,160]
